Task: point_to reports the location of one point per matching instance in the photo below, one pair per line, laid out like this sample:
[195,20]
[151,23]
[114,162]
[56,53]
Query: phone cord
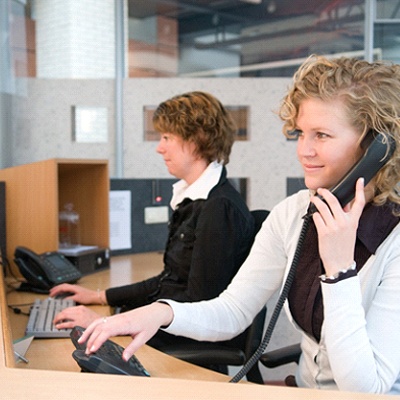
[278,307]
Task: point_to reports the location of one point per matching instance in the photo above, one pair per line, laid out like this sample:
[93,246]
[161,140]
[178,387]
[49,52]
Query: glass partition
[76,40]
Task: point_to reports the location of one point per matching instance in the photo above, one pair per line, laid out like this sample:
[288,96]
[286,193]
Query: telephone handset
[376,155]
[43,271]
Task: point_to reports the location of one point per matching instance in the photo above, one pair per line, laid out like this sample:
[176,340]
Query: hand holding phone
[337,230]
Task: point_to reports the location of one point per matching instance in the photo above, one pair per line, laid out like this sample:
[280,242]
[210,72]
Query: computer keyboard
[40,323]
[106,360]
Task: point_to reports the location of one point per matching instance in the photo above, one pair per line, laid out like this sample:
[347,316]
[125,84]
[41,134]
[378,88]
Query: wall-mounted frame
[240,114]
[89,124]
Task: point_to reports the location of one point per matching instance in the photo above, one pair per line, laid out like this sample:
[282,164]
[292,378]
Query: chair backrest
[259,217]
[252,336]
[254,333]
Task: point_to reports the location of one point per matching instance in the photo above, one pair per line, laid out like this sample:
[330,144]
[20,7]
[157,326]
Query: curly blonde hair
[200,118]
[370,93]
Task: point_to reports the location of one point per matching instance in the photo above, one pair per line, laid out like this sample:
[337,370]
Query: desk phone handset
[43,271]
[375,156]
[106,360]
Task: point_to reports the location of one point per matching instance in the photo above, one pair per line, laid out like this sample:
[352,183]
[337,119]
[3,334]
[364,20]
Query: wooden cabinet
[36,192]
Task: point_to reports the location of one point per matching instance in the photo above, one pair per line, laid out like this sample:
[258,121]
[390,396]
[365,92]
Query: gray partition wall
[150,195]
[145,193]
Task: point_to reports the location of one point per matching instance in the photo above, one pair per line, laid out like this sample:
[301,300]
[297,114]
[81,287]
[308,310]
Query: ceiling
[232,11]
[262,31]
[206,15]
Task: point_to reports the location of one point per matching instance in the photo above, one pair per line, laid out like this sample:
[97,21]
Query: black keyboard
[106,360]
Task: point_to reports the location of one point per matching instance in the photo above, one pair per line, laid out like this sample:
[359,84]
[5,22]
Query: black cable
[281,300]
[4,263]
[17,310]
[8,272]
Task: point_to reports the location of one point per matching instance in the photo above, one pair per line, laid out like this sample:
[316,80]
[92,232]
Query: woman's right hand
[79,294]
[141,324]
[73,316]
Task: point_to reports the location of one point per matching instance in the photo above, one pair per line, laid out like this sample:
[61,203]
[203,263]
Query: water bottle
[68,227]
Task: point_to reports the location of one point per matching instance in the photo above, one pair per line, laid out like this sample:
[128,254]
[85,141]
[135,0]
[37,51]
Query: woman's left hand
[337,228]
[140,323]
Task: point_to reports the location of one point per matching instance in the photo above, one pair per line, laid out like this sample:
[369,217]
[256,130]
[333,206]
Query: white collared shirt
[199,189]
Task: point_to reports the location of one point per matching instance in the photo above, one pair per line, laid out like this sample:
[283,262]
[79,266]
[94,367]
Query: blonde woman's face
[327,146]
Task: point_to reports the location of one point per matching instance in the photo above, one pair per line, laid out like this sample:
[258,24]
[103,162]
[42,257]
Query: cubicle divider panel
[6,345]
[3,236]
[36,191]
[151,196]
[150,211]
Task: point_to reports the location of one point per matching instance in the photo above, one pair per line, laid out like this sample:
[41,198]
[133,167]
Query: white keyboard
[40,323]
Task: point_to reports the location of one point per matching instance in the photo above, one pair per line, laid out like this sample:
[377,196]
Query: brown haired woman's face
[328,145]
[179,156]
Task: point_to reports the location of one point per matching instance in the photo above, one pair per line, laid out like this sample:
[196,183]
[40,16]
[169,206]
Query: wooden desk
[55,354]
[53,374]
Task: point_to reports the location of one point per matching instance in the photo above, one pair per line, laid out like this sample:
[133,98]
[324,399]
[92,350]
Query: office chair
[206,354]
[223,354]
[259,217]
[282,356]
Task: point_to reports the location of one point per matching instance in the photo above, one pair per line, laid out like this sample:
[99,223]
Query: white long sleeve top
[359,348]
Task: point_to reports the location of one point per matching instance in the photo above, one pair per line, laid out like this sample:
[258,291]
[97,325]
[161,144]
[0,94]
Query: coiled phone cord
[281,300]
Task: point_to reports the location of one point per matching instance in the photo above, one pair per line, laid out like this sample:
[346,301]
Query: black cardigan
[207,243]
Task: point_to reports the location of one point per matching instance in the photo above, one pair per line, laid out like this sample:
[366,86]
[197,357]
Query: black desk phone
[43,271]
[107,360]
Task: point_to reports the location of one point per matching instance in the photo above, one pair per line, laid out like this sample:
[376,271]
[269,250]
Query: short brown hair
[200,118]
